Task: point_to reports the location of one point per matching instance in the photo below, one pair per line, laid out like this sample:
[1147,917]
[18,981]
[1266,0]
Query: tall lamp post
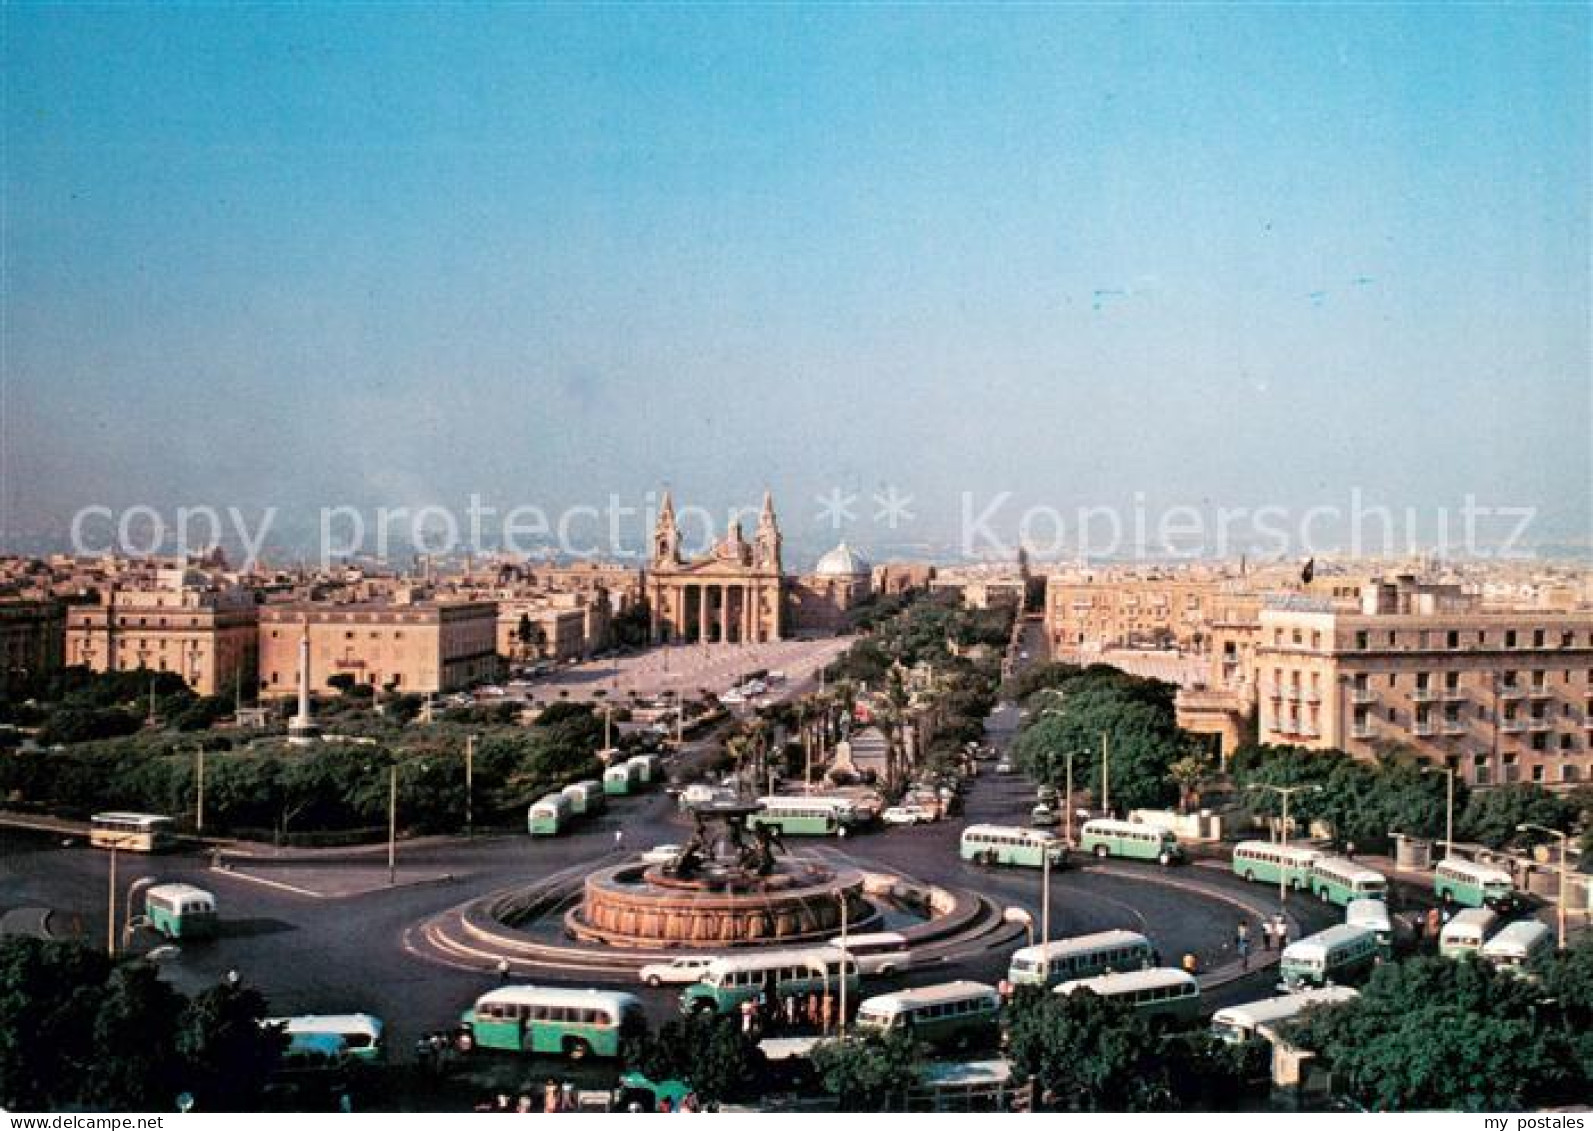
[392,824]
[1285,792]
[470,781]
[199,787]
[1565,872]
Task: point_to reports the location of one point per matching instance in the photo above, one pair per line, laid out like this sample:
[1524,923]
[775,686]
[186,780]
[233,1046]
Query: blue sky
[393,254]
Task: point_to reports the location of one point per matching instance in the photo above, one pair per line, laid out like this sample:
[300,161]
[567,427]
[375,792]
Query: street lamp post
[199,788]
[470,780]
[1285,792]
[110,898]
[392,824]
[1565,873]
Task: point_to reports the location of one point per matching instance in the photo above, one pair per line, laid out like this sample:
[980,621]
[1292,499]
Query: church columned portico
[730,595]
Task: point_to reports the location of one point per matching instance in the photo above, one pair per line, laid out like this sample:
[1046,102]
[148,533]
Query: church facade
[735,593]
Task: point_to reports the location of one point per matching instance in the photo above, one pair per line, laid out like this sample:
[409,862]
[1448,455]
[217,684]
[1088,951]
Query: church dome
[843,561]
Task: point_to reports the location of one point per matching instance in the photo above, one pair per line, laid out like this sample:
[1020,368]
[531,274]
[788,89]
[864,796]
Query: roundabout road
[342,954]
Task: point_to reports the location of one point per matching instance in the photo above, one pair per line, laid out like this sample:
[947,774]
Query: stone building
[32,640]
[821,601]
[421,646]
[179,621]
[733,593]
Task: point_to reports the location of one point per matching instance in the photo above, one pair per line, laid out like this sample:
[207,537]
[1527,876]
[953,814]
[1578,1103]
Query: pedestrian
[1191,964]
[813,1008]
[790,1006]
[567,1097]
[1417,924]
[503,971]
[550,1097]
[1434,923]
[826,1013]
[1280,930]
[1244,953]
[619,838]
[1004,988]
[1266,934]
[666,1105]
[1241,934]
[1349,850]
[525,1105]
[690,1103]
[748,1012]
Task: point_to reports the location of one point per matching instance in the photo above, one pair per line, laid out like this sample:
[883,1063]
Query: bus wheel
[464,1042]
[1165,859]
[1250,874]
[654,980]
[575,1048]
[1100,851]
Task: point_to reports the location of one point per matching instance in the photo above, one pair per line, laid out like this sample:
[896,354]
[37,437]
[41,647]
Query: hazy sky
[392,254]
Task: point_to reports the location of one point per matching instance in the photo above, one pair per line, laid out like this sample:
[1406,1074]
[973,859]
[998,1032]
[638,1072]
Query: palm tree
[1188,773]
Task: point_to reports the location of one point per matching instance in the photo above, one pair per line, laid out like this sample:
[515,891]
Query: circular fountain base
[635,906]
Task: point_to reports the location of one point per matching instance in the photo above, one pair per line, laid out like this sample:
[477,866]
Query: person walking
[1266,934]
[503,971]
[619,838]
[1280,930]
[1242,944]
[789,1007]
[826,1013]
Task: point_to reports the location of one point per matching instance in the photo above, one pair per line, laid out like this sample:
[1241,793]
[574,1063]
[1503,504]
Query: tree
[712,1054]
[49,992]
[869,1073]
[1434,1033]
[137,1064]
[341,682]
[1491,816]
[229,1055]
[1088,1052]
[1187,773]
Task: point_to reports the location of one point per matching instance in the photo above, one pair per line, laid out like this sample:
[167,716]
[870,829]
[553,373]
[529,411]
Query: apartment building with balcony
[1501,695]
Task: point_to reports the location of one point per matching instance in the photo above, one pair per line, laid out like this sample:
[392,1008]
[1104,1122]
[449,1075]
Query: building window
[1537,638]
[1453,640]
[1540,742]
[1537,772]
[1510,638]
[1361,640]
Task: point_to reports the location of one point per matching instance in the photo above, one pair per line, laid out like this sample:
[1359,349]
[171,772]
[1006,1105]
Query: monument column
[724,614]
[746,614]
[702,614]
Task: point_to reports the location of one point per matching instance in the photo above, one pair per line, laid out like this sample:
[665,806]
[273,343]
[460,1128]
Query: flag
[1309,571]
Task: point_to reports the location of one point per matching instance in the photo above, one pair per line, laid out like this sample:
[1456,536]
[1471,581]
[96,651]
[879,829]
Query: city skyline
[376,257]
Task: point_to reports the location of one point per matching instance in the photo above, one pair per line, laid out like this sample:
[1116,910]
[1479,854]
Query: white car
[661,854]
[732,697]
[1003,767]
[906,815]
[677,972]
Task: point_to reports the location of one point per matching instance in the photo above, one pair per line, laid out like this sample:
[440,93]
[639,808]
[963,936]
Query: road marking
[278,884]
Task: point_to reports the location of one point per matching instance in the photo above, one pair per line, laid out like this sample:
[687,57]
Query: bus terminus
[1239,1023]
[548,816]
[1333,955]
[1130,840]
[180,911]
[1264,862]
[954,1015]
[1083,956]
[131,832]
[544,1019]
[1473,885]
[1337,880]
[1163,991]
[731,980]
[1010,844]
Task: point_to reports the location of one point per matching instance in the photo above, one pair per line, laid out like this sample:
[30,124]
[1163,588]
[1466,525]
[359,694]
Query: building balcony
[1511,691]
[1454,693]
[1362,695]
[1311,695]
[1540,691]
[1587,721]
[1362,731]
[1424,730]
[1540,724]
[1306,730]
[1454,727]
[1423,695]
[1292,694]
[1512,726]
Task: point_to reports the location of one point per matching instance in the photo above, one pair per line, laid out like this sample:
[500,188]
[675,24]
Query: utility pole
[1106,762]
[110,910]
[1045,900]
[470,766]
[392,824]
[1285,792]
[199,786]
[1565,874]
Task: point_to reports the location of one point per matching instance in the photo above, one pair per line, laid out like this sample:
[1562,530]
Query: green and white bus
[1473,885]
[1264,862]
[621,779]
[1372,915]
[561,1021]
[1161,992]
[1011,844]
[586,798]
[797,816]
[548,816]
[1129,840]
[180,911]
[1337,880]
[131,832]
[1466,932]
[1082,956]
[361,1033]
[1334,955]
[957,1015]
[1237,1024]
[649,768]
[733,979]
[1518,945]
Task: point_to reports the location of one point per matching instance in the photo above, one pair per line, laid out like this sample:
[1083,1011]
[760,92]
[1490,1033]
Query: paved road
[688,669]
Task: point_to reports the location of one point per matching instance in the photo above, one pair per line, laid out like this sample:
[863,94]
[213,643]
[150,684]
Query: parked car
[1044,817]
[907,815]
[1004,767]
[661,854]
[676,972]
